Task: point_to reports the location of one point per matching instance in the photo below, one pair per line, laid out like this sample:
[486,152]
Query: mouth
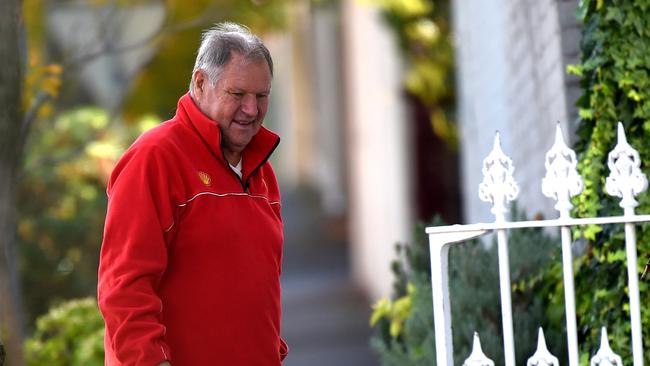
[243,123]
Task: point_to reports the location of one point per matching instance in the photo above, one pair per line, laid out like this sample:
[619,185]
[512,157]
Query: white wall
[377,146]
[307,105]
[281,117]
[511,77]
[329,167]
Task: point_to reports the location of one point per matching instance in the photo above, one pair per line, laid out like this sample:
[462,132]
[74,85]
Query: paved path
[325,318]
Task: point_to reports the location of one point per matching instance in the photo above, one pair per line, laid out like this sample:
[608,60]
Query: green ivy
[615,78]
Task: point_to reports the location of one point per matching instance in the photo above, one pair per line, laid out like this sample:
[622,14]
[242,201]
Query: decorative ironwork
[477,357]
[605,356]
[626,179]
[562,180]
[542,356]
[498,186]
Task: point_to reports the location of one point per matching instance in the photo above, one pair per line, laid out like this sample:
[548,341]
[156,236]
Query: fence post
[439,249]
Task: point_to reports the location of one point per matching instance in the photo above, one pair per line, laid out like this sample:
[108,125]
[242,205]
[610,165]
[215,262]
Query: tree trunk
[12,141]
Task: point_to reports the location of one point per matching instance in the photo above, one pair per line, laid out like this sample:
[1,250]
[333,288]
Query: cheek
[262,107]
[225,110]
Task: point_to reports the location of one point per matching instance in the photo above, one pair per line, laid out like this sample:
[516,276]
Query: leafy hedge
[615,78]
[71,334]
[404,324]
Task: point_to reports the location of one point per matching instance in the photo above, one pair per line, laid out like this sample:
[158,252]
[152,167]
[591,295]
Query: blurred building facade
[340,108]
[511,61]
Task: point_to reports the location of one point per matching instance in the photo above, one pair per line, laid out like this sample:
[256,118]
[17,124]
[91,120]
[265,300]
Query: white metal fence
[562,181]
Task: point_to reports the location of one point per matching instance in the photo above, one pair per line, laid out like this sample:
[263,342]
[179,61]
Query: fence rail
[561,182]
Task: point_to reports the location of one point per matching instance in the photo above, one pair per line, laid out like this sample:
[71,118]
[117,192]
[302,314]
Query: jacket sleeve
[134,258]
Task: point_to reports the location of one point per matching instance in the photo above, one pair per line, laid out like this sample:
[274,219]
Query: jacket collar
[256,153]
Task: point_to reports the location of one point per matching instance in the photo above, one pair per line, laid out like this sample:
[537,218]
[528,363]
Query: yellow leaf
[410,288]
[402,308]
[147,122]
[395,328]
[56,69]
[381,309]
[98,149]
[574,70]
[424,30]
[632,94]
[46,110]
[26,229]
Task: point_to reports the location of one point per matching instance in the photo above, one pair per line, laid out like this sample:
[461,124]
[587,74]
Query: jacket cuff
[284,349]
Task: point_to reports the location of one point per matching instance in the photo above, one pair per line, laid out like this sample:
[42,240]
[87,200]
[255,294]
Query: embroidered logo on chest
[205,178]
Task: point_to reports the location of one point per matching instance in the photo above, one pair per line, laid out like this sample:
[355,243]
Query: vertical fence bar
[506,302]
[477,357]
[605,355]
[542,356]
[569,296]
[633,288]
[498,187]
[626,180]
[561,182]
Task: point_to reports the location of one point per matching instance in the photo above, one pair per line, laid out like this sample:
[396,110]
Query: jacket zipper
[245,185]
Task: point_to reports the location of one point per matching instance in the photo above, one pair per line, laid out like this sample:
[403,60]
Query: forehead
[246,73]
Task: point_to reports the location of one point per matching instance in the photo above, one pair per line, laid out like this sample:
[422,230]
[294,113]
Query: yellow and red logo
[205,178]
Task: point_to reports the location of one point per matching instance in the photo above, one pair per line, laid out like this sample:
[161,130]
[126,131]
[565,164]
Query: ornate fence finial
[626,179]
[542,356]
[477,357]
[498,186]
[605,356]
[562,180]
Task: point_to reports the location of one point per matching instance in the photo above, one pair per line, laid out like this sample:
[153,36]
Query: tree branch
[107,49]
[75,62]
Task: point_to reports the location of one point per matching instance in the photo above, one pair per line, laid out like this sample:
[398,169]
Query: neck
[233,157]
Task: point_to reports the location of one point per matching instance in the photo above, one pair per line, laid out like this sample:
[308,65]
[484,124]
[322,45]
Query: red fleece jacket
[190,262]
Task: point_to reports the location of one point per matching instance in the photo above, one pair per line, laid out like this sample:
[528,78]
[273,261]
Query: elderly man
[191,257]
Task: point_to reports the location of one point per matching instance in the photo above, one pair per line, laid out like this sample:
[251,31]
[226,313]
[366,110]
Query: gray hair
[219,42]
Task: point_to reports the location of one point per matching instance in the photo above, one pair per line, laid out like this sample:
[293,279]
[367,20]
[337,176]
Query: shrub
[405,334]
[70,334]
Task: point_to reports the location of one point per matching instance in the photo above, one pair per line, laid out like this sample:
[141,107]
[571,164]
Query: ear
[200,83]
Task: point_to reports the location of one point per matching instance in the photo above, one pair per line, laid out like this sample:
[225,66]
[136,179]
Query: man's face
[238,102]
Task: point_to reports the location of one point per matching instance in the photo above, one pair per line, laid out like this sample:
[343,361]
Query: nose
[249,105]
